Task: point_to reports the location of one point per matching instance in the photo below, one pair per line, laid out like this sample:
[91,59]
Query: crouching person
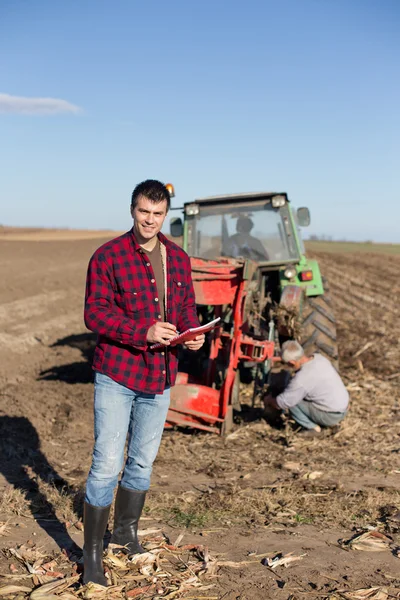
[316,396]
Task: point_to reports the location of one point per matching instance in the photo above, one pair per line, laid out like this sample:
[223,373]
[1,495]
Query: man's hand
[270,401]
[197,343]
[161,333]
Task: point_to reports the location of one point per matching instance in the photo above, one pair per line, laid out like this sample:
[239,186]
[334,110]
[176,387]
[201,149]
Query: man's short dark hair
[152,189]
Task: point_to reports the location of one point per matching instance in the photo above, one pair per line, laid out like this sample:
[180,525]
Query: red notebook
[189,334]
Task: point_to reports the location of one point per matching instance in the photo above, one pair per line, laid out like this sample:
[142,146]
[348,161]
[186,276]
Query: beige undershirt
[155,260]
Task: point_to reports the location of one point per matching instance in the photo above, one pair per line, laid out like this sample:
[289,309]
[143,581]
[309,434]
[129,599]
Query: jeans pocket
[103,379]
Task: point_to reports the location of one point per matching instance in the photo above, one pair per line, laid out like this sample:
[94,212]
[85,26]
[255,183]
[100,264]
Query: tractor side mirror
[303,216]
[176,227]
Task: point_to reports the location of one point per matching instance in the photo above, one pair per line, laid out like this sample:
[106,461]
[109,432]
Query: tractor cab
[259,227]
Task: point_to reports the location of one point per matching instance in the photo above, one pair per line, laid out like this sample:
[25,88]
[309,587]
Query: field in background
[38,234]
[346,247]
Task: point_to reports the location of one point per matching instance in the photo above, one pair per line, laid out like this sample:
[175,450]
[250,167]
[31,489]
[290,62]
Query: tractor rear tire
[318,328]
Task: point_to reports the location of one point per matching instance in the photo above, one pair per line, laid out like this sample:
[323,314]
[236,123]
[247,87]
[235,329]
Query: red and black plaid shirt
[121,305]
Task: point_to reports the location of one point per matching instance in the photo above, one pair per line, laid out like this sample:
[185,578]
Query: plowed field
[259,492]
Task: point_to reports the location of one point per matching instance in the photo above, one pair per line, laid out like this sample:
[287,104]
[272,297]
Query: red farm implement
[207,386]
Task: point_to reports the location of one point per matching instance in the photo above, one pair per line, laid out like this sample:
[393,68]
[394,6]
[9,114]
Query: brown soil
[261,490]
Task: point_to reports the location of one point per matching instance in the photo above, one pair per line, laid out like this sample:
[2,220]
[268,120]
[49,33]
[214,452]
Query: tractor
[249,268]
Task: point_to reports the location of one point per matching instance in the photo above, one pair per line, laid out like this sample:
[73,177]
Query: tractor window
[258,232]
[302,247]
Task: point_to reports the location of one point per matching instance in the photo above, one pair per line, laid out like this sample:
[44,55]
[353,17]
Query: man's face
[148,218]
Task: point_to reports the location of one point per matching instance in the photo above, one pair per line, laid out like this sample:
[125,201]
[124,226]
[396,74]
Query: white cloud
[20,105]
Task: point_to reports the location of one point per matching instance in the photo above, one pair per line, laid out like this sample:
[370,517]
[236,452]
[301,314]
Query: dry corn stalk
[280,559]
[49,590]
[374,593]
[288,321]
[6,590]
[371,541]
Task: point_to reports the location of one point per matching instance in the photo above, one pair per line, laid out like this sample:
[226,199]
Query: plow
[204,400]
[265,291]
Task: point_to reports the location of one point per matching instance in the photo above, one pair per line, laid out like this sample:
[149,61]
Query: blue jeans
[119,411]
[308,415]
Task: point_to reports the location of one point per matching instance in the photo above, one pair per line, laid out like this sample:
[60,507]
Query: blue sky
[300,96]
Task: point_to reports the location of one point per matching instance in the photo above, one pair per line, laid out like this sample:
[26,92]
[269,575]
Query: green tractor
[287,292]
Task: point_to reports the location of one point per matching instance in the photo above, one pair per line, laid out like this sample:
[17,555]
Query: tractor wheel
[318,328]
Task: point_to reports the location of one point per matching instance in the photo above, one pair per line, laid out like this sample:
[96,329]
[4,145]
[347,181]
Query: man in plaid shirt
[139,291]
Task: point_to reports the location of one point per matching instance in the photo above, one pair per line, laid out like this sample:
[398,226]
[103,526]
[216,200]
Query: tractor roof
[240,197]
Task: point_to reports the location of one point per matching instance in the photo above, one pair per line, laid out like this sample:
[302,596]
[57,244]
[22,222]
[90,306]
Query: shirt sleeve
[188,313]
[100,315]
[292,395]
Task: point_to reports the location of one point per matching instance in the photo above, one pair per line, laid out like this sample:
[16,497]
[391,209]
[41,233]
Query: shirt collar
[164,240]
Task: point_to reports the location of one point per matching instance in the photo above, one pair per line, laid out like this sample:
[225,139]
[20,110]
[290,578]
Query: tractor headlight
[290,272]
[192,209]
[278,201]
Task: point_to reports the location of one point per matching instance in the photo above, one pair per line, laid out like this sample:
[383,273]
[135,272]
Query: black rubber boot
[128,508]
[95,519]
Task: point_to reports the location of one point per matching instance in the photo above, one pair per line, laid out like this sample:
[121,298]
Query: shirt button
[179,283]
[155,299]
[159,316]
[162,353]
[147,264]
[152,280]
[163,372]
